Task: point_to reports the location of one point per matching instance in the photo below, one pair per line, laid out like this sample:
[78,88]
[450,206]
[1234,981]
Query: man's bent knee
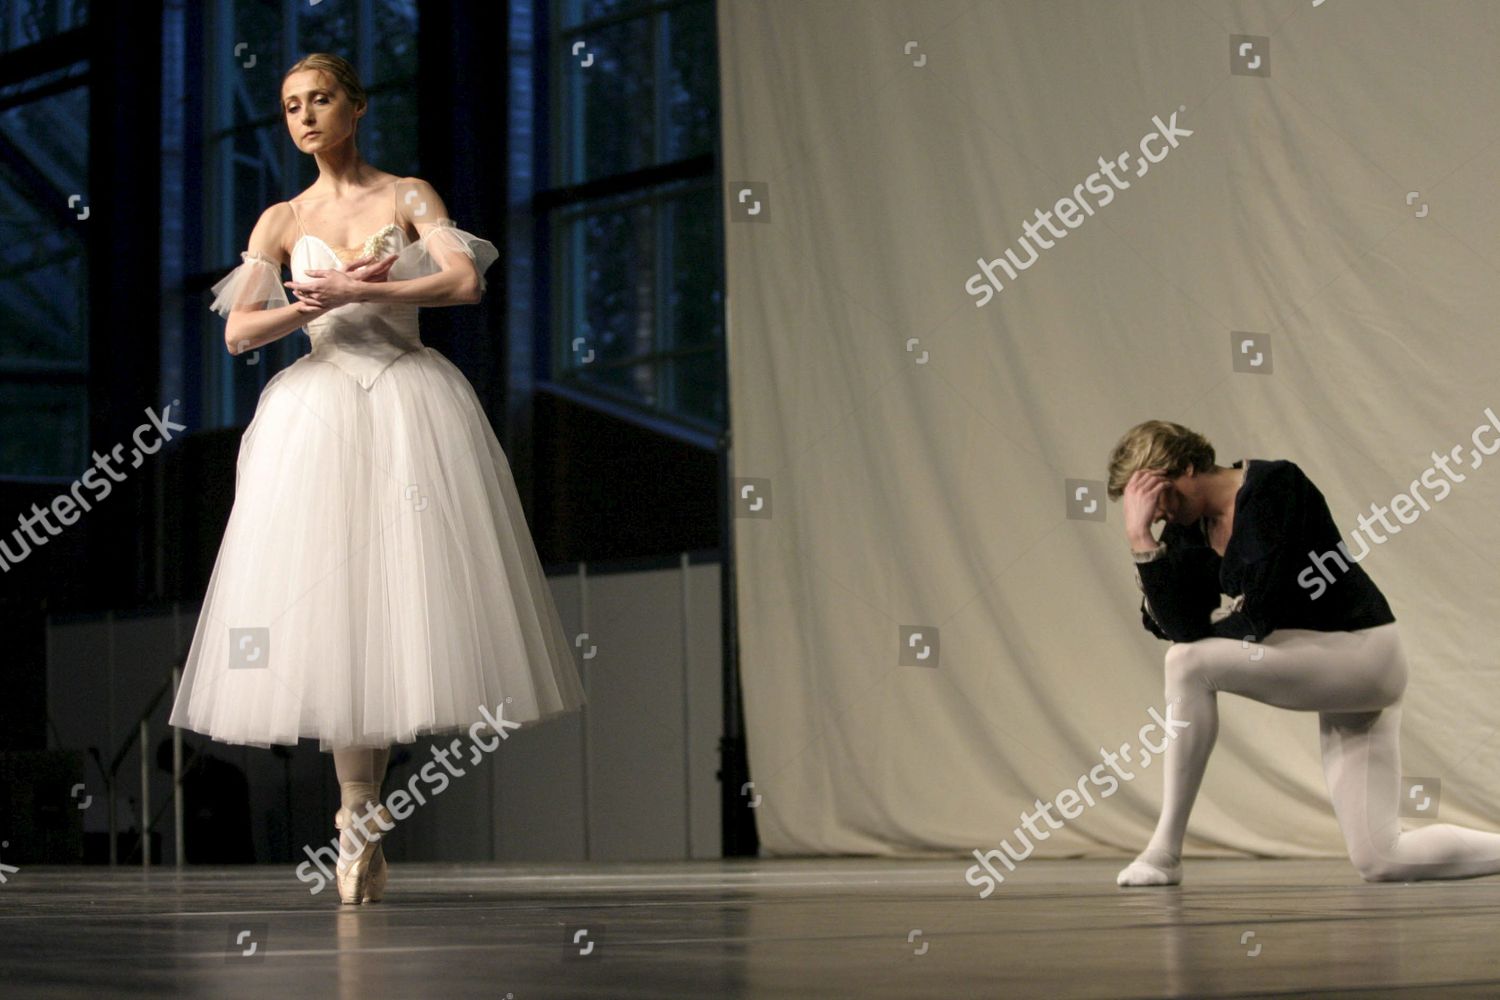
[1187,660]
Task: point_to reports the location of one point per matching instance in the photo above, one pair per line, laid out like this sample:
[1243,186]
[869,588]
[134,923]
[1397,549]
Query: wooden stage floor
[855,927]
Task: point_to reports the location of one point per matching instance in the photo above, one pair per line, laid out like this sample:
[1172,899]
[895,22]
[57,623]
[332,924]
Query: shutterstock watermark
[987,875]
[65,505]
[1405,506]
[985,283]
[399,802]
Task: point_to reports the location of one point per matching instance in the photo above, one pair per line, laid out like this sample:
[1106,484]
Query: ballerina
[376,580]
[1247,530]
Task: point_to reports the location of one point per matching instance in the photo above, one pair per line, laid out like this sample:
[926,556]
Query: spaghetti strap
[300,226]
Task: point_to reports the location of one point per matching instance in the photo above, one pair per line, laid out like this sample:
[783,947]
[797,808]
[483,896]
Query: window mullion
[665,396]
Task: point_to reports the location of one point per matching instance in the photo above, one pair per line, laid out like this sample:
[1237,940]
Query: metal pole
[109,728]
[181,848]
[583,728]
[145,796]
[685,567]
[740,837]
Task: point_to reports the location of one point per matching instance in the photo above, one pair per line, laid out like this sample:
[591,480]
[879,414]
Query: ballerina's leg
[360,771]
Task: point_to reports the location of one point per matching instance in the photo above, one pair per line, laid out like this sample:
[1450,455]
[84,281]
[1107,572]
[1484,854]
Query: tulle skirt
[377,580]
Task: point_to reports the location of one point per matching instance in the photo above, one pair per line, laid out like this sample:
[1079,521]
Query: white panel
[635,753]
[705,680]
[539,804]
[532,799]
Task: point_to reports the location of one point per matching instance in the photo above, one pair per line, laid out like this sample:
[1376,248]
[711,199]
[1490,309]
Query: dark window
[632,206]
[44,319]
[26,22]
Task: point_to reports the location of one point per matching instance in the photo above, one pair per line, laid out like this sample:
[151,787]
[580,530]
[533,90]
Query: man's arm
[1181,587]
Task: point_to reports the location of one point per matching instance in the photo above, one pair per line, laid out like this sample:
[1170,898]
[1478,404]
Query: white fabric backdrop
[892,146]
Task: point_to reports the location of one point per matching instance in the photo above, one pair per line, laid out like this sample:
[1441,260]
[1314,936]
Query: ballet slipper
[1152,867]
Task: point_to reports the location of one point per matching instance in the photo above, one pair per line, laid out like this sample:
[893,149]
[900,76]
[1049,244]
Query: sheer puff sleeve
[444,243]
[255,284]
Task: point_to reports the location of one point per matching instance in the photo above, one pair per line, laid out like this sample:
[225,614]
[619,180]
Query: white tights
[1354,681]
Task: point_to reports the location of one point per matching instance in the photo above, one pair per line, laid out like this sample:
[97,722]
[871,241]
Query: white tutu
[376,580]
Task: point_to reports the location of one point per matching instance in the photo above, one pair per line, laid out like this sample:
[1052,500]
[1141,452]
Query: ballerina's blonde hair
[340,69]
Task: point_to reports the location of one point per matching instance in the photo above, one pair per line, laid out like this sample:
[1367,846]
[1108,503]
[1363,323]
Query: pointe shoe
[362,878]
[375,885]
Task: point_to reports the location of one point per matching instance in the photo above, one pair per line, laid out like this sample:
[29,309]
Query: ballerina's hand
[370,268]
[326,288]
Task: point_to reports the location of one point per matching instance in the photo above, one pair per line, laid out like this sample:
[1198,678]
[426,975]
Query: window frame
[559,205]
[64,56]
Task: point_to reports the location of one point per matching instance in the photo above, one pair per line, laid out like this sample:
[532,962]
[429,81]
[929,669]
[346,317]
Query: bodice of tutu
[361,338]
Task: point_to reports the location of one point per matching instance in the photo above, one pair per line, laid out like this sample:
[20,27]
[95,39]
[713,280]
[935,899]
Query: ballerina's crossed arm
[448,252]
[253,298]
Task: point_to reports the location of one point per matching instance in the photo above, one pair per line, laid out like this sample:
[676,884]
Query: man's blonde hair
[1157,444]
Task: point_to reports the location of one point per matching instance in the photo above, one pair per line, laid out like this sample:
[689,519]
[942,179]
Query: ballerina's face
[319,115]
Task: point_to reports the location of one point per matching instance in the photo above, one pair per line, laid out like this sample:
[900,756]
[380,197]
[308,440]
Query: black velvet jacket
[1281,522]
